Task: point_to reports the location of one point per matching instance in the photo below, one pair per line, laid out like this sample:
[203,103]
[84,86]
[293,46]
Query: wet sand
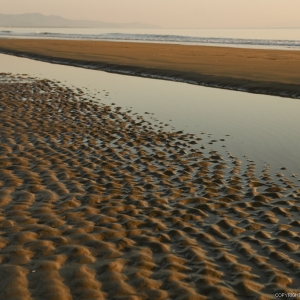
[273,72]
[95,204]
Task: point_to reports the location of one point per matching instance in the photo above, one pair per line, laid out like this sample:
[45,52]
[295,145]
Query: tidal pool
[259,128]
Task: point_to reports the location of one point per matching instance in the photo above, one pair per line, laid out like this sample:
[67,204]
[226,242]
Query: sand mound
[94,204]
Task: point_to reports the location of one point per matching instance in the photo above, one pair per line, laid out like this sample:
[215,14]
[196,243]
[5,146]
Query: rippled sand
[95,204]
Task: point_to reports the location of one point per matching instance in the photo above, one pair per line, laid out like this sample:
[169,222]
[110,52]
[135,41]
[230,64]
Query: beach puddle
[253,127]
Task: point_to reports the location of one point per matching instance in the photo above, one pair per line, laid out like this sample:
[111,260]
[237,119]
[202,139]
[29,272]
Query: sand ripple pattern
[97,205]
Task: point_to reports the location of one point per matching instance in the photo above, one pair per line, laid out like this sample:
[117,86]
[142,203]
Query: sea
[281,38]
[255,128]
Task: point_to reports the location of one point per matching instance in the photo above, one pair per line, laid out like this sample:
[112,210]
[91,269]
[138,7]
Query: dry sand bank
[97,205]
[274,72]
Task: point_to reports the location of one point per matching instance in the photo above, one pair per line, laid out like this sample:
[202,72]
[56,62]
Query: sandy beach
[273,72]
[96,204]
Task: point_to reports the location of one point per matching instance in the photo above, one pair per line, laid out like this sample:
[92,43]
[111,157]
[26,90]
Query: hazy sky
[169,13]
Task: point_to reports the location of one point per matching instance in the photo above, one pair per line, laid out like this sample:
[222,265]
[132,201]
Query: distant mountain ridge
[40,20]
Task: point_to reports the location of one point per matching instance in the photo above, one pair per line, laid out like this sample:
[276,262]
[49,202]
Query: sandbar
[273,72]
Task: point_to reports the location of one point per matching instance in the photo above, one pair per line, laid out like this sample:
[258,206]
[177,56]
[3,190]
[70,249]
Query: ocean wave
[179,39]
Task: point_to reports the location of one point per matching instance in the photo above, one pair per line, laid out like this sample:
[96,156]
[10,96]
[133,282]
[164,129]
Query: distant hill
[39,20]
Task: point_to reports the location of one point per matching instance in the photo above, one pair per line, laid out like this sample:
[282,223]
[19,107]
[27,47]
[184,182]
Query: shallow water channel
[258,128]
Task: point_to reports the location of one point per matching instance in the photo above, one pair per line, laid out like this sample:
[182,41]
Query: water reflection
[262,128]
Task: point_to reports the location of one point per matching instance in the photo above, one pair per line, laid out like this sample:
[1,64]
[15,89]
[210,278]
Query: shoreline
[259,71]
